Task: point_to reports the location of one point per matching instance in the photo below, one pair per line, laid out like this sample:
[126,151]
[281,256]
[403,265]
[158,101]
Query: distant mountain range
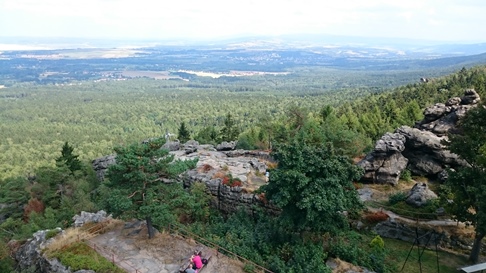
[62,60]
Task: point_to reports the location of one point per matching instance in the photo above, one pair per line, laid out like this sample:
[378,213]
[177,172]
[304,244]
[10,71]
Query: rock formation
[88,217]
[100,165]
[419,195]
[30,257]
[248,166]
[419,149]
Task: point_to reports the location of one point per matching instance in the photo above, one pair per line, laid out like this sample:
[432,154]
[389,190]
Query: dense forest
[95,117]
[50,133]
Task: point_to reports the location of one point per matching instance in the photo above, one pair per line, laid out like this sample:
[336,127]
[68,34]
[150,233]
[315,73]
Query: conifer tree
[137,183]
[184,135]
[68,158]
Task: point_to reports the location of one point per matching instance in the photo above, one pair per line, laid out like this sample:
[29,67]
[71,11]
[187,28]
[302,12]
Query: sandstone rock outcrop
[226,146]
[386,162]
[248,166]
[89,217]
[100,165]
[30,257]
[420,194]
[419,149]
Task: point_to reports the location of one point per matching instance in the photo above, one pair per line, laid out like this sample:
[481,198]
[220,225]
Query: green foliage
[230,130]
[466,186]
[13,192]
[406,175]
[79,256]
[249,268]
[136,183]
[313,186]
[183,134]
[350,247]
[377,243]
[396,198]
[207,135]
[68,158]
[427,211]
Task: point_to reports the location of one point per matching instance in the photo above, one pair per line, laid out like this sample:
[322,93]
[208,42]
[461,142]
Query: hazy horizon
[447,21]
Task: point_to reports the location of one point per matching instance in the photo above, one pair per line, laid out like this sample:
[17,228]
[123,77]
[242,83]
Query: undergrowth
[80,256]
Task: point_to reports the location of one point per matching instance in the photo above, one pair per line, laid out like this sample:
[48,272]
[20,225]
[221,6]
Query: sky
[436,20]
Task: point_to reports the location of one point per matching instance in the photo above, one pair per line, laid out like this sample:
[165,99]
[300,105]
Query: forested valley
[49,134]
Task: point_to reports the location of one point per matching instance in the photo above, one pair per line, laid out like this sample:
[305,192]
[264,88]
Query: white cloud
[441,19]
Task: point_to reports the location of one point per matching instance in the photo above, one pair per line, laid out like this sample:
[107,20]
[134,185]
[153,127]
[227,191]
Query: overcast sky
[444,20]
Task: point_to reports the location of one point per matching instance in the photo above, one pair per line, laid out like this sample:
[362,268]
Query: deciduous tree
[313,186]
[466,186]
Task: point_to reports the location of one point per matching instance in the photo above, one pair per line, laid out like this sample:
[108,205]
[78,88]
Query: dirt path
[133,251]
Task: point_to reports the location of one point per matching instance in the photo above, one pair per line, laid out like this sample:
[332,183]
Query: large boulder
[385,164]
[226,146]
[172,145]
[420,194]
[425,152]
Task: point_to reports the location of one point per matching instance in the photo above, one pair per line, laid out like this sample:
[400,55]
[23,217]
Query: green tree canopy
[313,186]
[230,131]
[183,135]
[467,185]
[68,158]
[137,182]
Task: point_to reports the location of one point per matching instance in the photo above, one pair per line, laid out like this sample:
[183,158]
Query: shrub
[34,205]
[226,180]
[206,168]
[271,165]
[376,217]
[406,175]
[377,243]
[232,182]
[396,198]
[80,256]
[51,233]
[249,268]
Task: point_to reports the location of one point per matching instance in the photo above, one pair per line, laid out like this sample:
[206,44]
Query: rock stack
[420,148]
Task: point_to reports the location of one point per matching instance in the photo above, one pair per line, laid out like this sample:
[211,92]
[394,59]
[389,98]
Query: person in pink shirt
[196,259]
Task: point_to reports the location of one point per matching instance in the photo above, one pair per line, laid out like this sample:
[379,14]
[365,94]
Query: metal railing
[219,249]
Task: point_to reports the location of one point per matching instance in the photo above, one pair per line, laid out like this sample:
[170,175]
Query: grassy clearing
[71,249]
[79,256]
[397,252]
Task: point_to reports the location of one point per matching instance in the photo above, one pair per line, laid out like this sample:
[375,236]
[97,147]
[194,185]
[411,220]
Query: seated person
[196,259]
[190,269]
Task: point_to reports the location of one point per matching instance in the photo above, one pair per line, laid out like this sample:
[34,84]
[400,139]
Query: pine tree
[69,159]
[230,131]
[184,134]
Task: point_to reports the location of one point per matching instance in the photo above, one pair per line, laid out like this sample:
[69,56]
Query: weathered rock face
[30,258]
[419,149]
[88,217]
[385,163]
[100,165]
[425,235]
[226,146]
[172,145]
[420,194]
[248,166]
